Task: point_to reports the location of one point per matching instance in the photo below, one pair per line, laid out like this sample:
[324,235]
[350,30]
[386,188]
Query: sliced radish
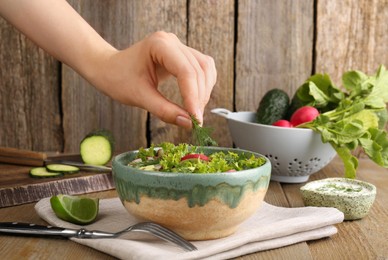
[195,156]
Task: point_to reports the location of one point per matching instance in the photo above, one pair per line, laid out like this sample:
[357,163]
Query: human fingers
[154,102]
[208,67]
[129,76]
[192,94]
[178,60]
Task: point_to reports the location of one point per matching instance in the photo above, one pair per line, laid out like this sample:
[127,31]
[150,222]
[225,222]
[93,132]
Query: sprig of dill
[201,135]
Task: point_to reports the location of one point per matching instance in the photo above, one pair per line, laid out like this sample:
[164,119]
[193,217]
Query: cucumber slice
[42,172]
[97,147]
[62,168]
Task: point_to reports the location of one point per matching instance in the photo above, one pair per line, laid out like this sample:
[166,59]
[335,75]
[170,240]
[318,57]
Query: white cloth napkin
[270,227]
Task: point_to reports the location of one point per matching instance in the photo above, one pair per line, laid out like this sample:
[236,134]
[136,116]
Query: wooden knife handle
[22,157]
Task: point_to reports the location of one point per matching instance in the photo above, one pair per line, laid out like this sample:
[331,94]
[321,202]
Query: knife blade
[32,158]
[82,166]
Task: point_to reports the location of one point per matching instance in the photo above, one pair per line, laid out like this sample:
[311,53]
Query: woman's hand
[132,76]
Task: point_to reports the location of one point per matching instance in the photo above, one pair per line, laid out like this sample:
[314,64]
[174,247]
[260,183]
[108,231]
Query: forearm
[58,29]
[130,76]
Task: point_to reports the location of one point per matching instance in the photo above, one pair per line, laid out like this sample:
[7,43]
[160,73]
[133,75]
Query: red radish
[195,156]
[282,123]
[303,115]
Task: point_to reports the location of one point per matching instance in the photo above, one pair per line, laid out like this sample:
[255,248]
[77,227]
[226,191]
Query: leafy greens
[167,157]
[201,135]
[355,117]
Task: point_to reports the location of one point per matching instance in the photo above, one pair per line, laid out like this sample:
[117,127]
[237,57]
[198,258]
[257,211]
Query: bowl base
[290,179]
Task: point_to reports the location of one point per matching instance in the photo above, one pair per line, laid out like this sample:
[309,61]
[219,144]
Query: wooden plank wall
[257,45]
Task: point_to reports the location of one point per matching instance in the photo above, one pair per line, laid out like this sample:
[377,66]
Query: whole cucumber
[273,106]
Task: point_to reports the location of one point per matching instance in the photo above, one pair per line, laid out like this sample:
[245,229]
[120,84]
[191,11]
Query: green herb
[359,116]
[201,135]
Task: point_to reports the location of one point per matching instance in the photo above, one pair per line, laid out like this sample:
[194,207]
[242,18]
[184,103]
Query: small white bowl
[353,197]
[295,153]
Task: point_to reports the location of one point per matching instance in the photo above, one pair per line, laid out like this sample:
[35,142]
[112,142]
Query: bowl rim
[116,159]
[371,189]
[263,125]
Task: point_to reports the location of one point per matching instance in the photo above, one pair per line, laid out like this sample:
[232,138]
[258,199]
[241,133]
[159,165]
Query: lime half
[75,209]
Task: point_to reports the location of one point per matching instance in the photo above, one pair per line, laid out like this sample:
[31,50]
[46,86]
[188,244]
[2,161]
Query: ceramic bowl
[295,153]
[353,197]
[196,206]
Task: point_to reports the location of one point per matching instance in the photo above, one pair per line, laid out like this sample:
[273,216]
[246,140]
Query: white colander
[295,153]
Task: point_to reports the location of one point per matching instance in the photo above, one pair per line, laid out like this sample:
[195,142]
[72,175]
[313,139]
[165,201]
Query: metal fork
[147,227]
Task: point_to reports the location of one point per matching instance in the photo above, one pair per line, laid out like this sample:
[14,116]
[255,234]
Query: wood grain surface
[29,83]
[257,46]
[17,187]
[274,48]
[351,34]
[359,239]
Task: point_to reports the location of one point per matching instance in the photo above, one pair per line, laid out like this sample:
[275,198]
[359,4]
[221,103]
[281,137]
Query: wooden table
[361,239]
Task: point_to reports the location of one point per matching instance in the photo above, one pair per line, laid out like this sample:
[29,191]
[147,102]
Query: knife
[32,158]
[22,157]
[16,228]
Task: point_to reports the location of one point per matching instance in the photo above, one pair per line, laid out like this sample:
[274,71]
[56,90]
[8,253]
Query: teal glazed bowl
[196,206]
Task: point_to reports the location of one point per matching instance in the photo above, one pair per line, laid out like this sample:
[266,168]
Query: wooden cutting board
[17,187]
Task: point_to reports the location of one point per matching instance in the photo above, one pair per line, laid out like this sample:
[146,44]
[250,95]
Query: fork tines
[166,234]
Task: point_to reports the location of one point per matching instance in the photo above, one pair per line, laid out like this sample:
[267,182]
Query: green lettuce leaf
[349,160]
[359,118]
[375,145]
[368,119]
[353,81]
[317,91]
[381,84]
[382,114]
